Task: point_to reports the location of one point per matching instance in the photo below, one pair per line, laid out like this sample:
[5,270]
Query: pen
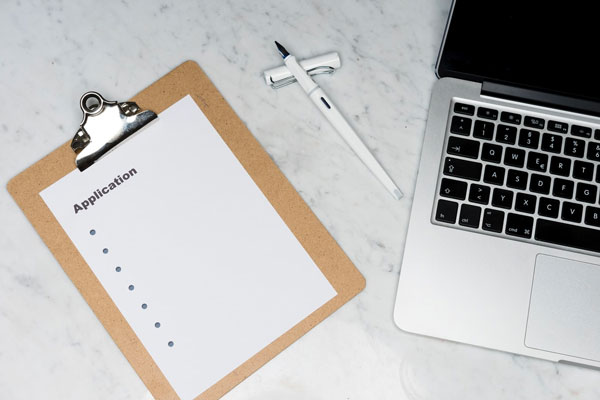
[330,111]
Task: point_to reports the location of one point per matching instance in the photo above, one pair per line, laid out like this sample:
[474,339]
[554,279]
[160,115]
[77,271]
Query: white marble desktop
[51,344]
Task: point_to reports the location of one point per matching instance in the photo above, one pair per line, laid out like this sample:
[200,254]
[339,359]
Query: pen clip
[291,79]
[281,76]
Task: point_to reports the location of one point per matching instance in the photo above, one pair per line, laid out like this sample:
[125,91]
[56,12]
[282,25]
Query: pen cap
[323,64]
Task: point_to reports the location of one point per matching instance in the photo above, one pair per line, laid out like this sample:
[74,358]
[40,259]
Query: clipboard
[189,79]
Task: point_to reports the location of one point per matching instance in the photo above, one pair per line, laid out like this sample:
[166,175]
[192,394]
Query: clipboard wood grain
[188,78]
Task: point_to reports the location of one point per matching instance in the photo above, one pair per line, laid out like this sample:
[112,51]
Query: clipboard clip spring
[105,124]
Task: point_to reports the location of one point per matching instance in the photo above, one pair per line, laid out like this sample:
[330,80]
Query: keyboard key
[506,134]
[551,143]
[593,151]
[574,147]
[563,188]
[462,168]
[491,152]
[583,170]
[479,194]
[537,162]
[511,118]
[581,131]
[446,211]
[560,166]
[534,122]
[539,184]
[586,192]
[453,189]
[571,212]
[493,175]
[516,179]
[519,225]
[514,157]
[567,235]
[469,216]
[460,125]
[502,198]
[598,173]
[492,220]
[597,134]
[548,207]
[487,113]
[525,203]
[592,216]
[463,147]
[559,127]
[529,138]
[466,109]
[483,130]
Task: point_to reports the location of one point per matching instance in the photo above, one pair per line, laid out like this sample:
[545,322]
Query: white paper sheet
[201,246]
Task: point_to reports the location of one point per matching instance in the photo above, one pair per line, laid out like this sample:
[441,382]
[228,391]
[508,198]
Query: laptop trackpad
[564,311]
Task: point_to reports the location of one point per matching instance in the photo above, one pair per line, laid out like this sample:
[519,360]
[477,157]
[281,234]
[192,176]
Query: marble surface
[52,345]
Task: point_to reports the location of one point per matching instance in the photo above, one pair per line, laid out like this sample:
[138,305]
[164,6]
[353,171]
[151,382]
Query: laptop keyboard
[526,177]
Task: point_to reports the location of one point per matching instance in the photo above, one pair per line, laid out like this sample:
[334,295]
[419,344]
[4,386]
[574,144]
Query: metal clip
[324,64]
[105,124]
[290,79]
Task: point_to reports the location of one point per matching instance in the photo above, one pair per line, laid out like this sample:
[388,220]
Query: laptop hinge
[540,98]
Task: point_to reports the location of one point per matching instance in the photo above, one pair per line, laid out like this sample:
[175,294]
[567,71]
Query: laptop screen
[542,45]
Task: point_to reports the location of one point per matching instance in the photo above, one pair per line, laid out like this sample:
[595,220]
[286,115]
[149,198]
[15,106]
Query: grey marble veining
[51,52]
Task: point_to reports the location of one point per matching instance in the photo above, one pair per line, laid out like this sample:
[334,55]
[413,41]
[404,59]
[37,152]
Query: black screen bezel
[442,70]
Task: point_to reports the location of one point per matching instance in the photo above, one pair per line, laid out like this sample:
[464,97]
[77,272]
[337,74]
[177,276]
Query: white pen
[330,111]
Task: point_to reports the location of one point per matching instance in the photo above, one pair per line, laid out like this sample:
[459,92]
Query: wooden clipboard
[188,78]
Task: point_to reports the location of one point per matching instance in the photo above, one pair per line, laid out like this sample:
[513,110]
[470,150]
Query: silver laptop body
[498,284]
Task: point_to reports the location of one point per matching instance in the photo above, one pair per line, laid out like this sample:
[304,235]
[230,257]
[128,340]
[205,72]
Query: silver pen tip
[284,53]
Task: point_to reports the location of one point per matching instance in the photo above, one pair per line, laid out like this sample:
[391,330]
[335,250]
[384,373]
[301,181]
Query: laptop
[503,244]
